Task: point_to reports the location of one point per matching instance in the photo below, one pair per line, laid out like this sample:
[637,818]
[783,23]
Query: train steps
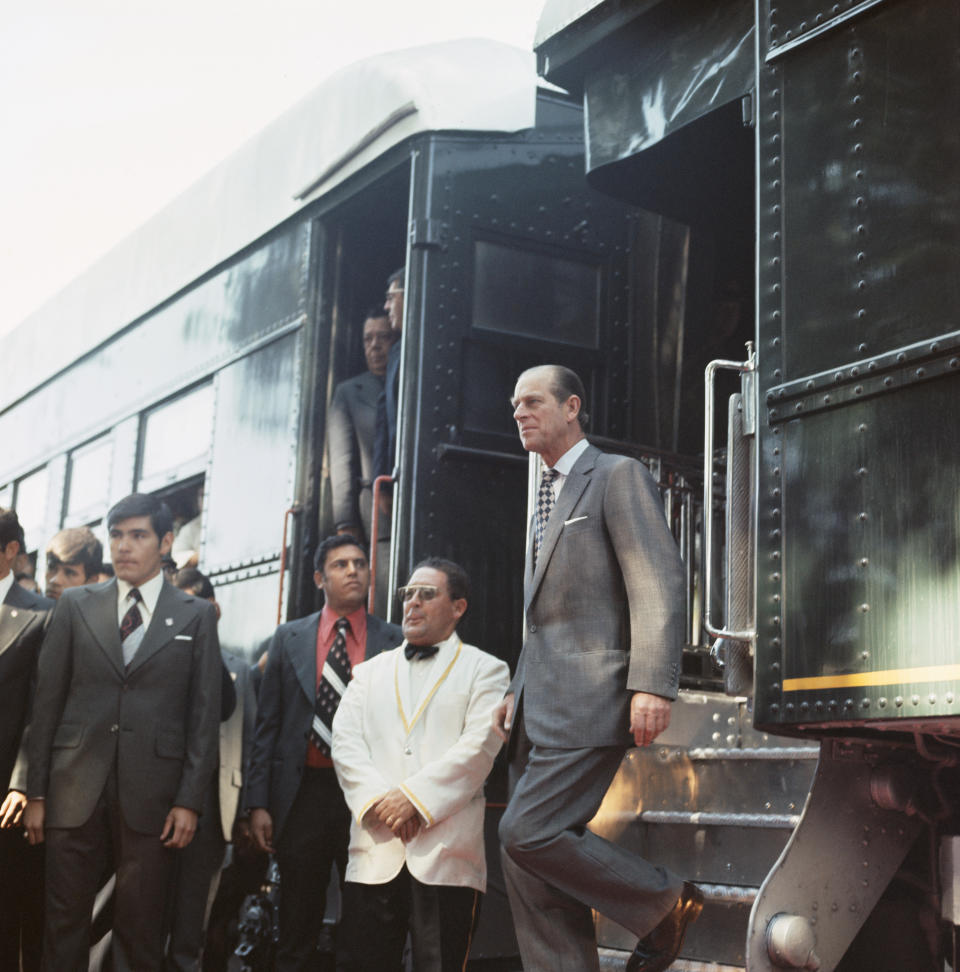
[715,801]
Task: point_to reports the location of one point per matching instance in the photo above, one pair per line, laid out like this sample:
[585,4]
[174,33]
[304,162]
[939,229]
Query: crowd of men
[135,750]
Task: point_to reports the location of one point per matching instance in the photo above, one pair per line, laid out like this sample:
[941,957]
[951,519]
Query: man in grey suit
[599,667]
[297,808]
[123,742]
[23,620]
[351,429]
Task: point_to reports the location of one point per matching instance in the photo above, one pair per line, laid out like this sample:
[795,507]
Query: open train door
[512,262]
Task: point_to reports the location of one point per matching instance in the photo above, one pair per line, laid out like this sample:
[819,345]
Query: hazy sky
[109,108]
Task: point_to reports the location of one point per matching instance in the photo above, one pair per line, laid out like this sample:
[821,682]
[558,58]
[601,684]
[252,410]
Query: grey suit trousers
[556,870]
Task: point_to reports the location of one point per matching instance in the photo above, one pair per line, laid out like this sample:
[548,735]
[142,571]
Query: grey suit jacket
[157,720]
[285,712]
[351,429]
[23,619]
[604,607]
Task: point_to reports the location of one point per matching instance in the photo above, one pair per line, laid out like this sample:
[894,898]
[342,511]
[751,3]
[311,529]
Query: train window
[89,481]
[534,294]
[176,439]
[30,503]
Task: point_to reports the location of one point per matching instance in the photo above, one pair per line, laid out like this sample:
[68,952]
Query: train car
[197,361]
[822,137]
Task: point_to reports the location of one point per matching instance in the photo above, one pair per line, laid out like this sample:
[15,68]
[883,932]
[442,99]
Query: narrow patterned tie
[333,683]
[544,507]
[131,627]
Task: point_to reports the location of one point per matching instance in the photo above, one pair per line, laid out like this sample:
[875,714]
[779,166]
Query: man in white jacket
[412,746]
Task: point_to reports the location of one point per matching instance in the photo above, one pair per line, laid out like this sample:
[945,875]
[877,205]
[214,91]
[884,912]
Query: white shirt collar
[149,592]
[5,585]
[566,462]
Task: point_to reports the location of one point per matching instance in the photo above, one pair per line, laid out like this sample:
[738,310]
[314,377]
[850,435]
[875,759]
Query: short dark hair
[76,545]
[194,582]
[375,313]
[458,580]
[10,529]
[397,277]
[332,543]
[563,384]
[142,504]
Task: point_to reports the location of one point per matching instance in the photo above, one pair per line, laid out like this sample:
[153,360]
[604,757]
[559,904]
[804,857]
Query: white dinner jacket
[438,748]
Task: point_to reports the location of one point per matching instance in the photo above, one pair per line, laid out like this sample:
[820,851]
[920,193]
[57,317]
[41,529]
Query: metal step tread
[614,960]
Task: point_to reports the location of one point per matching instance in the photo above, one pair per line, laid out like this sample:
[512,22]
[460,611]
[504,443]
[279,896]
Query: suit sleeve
[18,778]
[203,713]
[448,784]
[344,461]
[652,576]
[54,671]
[266,733]
[360,780]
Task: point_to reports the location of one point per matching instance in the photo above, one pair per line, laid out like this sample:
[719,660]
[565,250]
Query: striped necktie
[333,683]
[131,627]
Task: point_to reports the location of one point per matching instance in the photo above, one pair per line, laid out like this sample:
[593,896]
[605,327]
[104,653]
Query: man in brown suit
[123,741]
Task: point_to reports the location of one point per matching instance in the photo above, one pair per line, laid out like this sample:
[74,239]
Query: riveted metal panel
[463,473]
[858,244]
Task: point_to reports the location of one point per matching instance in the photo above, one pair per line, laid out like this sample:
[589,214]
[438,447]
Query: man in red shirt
[297,809]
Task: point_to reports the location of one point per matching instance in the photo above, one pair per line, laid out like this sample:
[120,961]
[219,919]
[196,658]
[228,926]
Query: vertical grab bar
[374,537]
[747,369]
[293,511]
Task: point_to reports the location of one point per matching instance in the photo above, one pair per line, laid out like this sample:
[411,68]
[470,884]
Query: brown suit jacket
[157,720]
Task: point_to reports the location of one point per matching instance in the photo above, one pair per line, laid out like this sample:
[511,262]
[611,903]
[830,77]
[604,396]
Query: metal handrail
[374,537]
[292,511]
[742,367]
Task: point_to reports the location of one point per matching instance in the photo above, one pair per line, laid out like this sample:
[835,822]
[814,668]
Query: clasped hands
[395,811]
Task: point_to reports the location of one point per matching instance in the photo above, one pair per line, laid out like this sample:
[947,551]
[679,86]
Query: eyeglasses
[426,592]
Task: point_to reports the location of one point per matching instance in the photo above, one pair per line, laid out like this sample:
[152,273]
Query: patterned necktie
[544,507]
[132,622]
[333,683]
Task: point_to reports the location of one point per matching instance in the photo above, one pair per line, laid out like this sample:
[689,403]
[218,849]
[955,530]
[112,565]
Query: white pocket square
[183,637]
[576,519]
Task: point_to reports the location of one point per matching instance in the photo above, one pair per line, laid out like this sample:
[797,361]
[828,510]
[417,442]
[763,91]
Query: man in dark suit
[600,664]
[23,619]
[123,742]
[297,808]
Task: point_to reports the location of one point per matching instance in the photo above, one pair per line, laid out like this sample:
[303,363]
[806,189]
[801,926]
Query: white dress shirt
[149,593]
[564,464]
[5,584]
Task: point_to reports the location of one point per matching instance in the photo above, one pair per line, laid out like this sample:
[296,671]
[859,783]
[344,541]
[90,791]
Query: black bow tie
[420,651]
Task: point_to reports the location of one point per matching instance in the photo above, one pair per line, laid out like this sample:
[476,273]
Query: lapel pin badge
[169,622]
[14,612]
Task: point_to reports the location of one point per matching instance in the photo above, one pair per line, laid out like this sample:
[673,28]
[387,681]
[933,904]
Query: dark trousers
[195,885]
[377,917]
[75,860]
[21,901]
[315,836]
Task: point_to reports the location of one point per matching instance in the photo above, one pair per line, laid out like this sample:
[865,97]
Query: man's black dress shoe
[656,952]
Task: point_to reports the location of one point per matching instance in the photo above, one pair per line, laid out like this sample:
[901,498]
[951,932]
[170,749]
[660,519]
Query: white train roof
[349,120]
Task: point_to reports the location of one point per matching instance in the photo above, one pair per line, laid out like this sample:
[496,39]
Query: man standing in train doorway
[600,665]
[123,742]
[385,446]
